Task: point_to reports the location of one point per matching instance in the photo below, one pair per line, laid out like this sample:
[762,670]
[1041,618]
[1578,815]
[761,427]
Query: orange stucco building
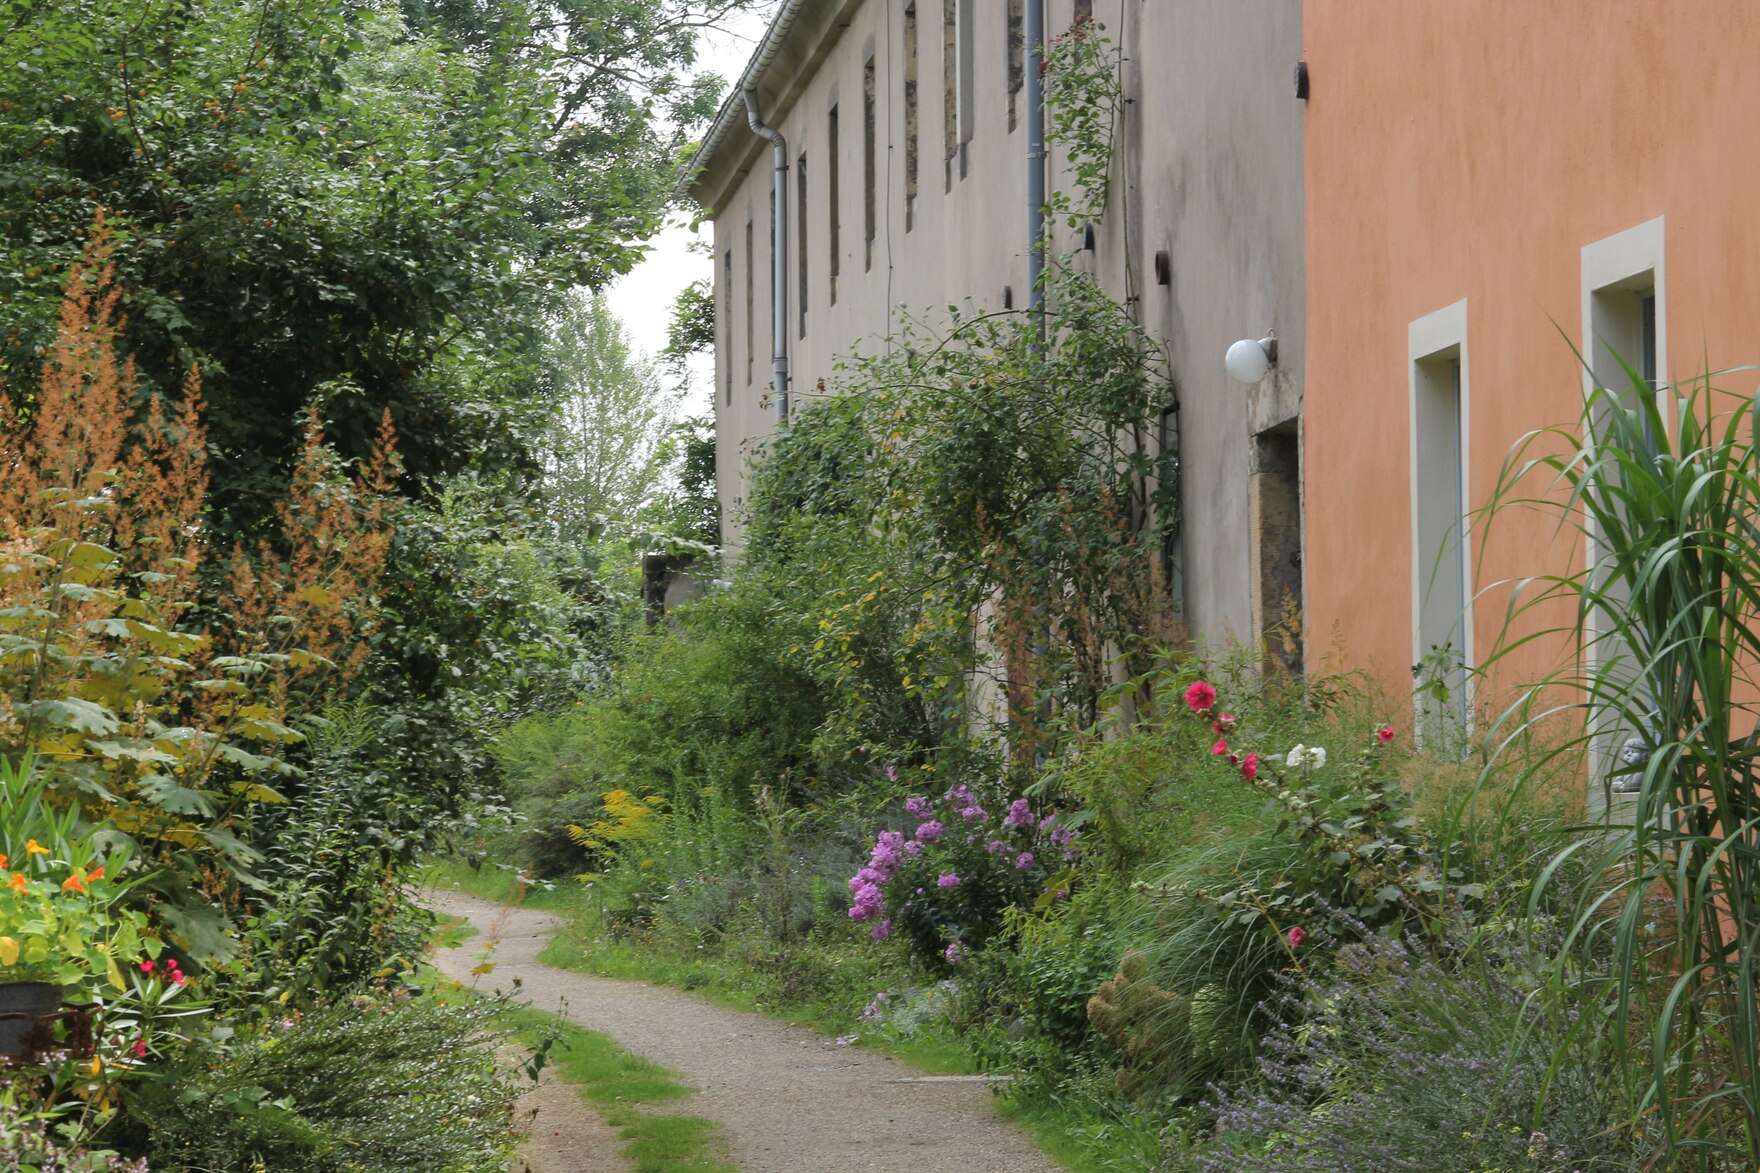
[1490,184]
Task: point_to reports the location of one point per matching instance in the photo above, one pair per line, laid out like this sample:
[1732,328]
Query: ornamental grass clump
[1660,632]
[947,885]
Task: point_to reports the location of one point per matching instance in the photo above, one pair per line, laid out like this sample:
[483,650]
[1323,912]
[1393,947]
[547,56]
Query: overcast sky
[643,298]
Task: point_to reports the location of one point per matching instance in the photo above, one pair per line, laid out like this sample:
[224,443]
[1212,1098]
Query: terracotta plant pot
[22,1005]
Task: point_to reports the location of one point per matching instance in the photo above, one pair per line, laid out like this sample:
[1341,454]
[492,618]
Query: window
[1625,322]
[800,245]
[949,85]
[910,116]
[1441,596]
[956,83]
[1084,10]
[751,263]
[727,317]
[868,170]
[833,198]
[1017,57]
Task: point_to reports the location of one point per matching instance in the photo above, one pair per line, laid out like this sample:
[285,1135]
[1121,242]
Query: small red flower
[1201,697]
[1223,723]
[1296,936]
[1234,759]
[140,1048]
[147,967]
[1250,767]
[177,978]
[1220,748]
[1385,734]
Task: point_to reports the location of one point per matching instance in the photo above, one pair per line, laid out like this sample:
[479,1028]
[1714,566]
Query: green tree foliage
[602,460]
[349,203]
[687,509]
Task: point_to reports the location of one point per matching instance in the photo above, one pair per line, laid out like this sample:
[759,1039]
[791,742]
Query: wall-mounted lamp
[1250,359]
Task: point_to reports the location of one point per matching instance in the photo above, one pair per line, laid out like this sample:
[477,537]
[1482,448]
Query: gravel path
[789,1100]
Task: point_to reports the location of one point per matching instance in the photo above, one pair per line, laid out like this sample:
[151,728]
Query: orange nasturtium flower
[36,848]
[96,875]
[74,883]
[18,882]
[2,859]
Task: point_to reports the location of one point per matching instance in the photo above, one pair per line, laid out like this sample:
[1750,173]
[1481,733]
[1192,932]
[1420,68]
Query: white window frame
[1631,259]
[1438,335]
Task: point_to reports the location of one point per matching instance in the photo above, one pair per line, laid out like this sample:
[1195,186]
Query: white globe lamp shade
[1248,360]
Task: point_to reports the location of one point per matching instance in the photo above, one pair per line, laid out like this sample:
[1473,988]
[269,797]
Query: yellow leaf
[485,967]
[8,951]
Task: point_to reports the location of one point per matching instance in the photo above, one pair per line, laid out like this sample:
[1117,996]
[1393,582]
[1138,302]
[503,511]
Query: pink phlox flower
[870,902]
[1023,861]
[1223,723]
[917,807]
[892,773]
[1201,697]
[1384,734]
[955,953]
[947,880]
[929,831]
[996,847]
[882,930]
[1020,814]
[913,849]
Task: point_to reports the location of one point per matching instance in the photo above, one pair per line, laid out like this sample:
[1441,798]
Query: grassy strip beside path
[624,1088]
[1074,1140]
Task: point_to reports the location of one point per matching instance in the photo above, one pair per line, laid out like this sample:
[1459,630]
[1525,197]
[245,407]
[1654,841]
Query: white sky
[643,297]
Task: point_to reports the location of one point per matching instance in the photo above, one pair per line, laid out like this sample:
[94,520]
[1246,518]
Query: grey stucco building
[905,126]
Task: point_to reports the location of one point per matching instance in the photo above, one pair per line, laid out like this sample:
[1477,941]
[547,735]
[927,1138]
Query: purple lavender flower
[1020,814]
[947,880]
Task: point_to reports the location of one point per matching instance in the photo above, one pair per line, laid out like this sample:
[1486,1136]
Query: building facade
[906,178]
[1486,200]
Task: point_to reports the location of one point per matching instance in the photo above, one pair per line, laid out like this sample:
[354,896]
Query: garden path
[789,1099]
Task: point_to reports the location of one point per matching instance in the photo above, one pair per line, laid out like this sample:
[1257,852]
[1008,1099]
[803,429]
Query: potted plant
[61,923]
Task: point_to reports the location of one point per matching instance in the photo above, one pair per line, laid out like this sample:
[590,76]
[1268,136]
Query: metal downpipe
[1035,53]
[778,248]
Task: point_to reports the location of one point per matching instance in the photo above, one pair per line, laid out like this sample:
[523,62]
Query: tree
[349,204]
[603,461]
